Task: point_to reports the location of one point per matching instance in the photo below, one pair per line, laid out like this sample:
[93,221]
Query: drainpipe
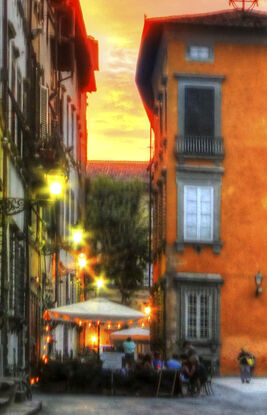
[4,264]
[27,221]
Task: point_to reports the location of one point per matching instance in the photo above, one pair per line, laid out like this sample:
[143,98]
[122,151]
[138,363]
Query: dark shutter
[199,112]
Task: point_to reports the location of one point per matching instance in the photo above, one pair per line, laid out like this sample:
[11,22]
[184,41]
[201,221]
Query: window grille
[198,314]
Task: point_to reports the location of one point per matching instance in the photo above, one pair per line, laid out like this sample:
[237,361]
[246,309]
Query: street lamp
[82,261]
[258,282]
[77,236]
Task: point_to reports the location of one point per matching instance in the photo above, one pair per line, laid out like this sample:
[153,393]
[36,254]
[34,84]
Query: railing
[200,146]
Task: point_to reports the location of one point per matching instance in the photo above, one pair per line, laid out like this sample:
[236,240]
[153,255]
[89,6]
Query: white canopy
[136,333]
[95,309]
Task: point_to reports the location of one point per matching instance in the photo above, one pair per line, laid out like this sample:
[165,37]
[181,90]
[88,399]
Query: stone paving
[231,398]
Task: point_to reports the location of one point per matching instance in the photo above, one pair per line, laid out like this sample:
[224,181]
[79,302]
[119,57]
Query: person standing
[129,348]
[246,362]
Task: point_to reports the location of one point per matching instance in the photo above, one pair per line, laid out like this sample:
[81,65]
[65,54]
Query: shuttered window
[43,112]
[198,213]
[199,112]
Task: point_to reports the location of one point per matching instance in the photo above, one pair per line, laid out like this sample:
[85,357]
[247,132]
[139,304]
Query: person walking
[246,362]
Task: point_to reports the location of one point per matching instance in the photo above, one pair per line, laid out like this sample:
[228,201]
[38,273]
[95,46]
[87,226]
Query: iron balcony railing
[200,146]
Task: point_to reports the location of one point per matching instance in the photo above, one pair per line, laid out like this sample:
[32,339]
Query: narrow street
[232,399]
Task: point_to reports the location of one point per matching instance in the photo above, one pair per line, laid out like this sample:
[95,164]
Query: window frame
[186,282]
[199,81]
[198,292]
[189,57]
[199,176]
[198,212]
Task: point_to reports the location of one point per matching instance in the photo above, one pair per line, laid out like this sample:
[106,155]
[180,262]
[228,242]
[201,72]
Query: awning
[96,309]
[136,333]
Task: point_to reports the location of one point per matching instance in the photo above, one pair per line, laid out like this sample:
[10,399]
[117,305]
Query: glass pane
[204,316]
[191,220]
[206,207]
[191,207]
[192,315]
[199,112]
[205,220]
[205,194]
[199,52]
[205,233]
[191,193]
[191,233]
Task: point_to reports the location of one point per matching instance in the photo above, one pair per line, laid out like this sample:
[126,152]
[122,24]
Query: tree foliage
[118,226]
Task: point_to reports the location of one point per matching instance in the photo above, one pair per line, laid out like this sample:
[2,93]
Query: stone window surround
[185,281]
[188,56]
[205,176]
[201,81]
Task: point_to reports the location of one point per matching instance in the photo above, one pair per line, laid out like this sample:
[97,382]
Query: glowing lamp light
[32,381]
[77,236]
[46,315]
[48,339]
[89,325]
[55,188]
[80,323]
[119,325]
[143,325]
[99,283]
[98,322]
[47,327]
[46,361]
[44,347]
[93,339]
[147,310]
[37,379]
[82,260]
[43,357]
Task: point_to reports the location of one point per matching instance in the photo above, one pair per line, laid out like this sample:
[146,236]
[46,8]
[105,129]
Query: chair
[167,380]
[207,385]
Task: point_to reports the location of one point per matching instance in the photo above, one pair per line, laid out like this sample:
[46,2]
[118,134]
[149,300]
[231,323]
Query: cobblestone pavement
[230,398]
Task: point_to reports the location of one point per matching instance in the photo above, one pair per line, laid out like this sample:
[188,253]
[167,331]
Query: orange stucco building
[203,82]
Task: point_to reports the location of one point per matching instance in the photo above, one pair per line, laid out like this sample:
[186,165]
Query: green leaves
[117,218]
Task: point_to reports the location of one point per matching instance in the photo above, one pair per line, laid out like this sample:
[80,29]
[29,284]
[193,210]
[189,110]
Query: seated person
[174,363]
[189,366]
[157,362]
[139,361]
[147,362]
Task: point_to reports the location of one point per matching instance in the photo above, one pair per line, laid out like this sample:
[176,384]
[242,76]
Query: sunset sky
[117,125]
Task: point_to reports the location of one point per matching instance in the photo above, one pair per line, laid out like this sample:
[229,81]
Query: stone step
[3,403]
[7,390]
[25,408]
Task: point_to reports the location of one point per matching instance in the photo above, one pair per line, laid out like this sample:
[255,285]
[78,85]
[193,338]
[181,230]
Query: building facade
[47,68]
[202,81]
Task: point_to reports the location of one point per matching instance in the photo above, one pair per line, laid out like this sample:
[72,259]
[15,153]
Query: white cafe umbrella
[95,309]
[136,333]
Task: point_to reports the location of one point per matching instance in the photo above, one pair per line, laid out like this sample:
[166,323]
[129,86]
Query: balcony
[191,147]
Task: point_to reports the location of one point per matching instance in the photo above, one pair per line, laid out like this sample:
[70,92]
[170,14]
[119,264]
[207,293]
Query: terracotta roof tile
[118,169]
